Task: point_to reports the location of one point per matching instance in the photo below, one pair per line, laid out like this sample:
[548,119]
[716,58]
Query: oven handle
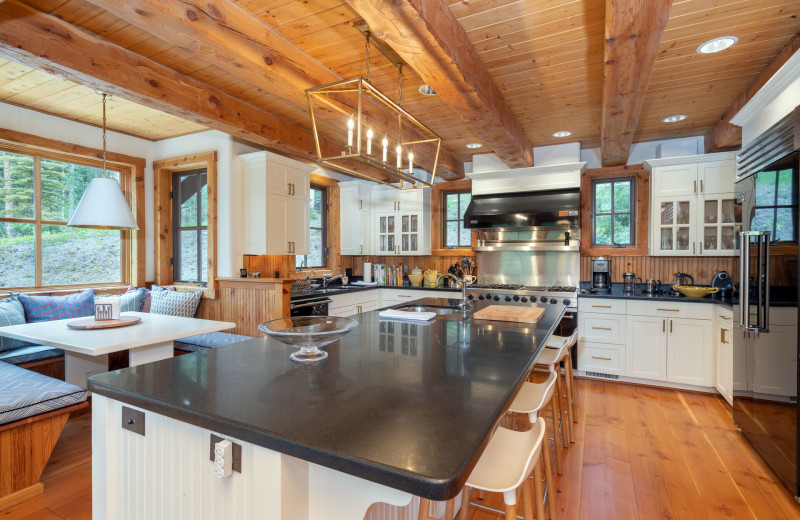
[311,304]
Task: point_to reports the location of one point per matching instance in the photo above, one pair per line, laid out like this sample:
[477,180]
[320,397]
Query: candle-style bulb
[369,141]
[385,143]
[399,151]
[350,126]
[410,162]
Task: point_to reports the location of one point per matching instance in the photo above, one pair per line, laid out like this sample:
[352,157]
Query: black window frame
[775,207]
[631,211]
[177,228]
[324,229]
[459,220]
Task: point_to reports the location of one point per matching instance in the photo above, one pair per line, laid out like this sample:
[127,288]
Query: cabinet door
[410,233]
[646,348]
[690,352]
[343,311]
[277,181]
[364,242]
[386,229]
[775,355]
[724,377]
[675,181]
[674,232]
[720,220]
[300,182]
[277,239]
[350,238]
[410,200]
[297,225]
[384,200]
[716,177]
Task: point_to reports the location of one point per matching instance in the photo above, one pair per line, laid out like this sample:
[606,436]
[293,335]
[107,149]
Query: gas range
[553,294]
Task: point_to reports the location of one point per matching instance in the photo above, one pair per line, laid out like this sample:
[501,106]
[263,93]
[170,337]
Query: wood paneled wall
[440,263]
[662,267]
[247,303]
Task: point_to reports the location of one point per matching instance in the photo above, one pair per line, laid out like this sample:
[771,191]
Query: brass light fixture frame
[404,179]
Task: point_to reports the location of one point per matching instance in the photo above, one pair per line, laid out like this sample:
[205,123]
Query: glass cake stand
[308,333]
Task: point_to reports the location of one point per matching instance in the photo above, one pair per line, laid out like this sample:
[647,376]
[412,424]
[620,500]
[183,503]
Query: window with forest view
[775,209]
[190,226]
[613,212]
[455,234]
[318,232]
[37,197]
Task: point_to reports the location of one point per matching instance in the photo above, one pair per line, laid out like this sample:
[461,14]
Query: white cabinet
[724,339]
[276,204]
[401,221]
[692,205]
[354,218]
[602,325]
[690,352]
[349,304]
[646,355]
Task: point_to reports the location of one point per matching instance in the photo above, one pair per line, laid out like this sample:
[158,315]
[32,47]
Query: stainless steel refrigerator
[765,339]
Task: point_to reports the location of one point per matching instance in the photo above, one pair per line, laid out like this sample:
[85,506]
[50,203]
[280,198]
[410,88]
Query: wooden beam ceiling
[247,49]
[632,36]
[430,39]
[726,136]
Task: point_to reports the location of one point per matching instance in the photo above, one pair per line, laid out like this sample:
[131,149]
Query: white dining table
[86,350]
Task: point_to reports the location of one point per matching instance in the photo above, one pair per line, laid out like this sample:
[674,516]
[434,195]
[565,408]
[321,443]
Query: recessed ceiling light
[674,119]
[474,145]
[717,44]
[426,90]
[563,133]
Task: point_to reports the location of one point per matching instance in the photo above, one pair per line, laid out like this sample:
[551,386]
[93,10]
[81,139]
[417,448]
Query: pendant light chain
[367,34]
[400,84]
[104,134]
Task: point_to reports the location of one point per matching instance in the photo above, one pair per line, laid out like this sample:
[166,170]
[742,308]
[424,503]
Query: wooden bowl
[694,291]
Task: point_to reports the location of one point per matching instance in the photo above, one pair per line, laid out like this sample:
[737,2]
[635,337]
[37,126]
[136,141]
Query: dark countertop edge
[433,489]
[661,298]
[350,289]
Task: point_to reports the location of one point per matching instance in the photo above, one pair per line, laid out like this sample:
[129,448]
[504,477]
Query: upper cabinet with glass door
[402,220]
[692,206]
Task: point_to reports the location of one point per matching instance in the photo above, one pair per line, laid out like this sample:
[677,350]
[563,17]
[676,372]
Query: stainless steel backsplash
[528,268]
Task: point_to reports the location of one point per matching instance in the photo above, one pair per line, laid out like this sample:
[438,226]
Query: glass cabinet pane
[727,238]
[682,239]
[383,225]
[414,224]
[390,225]
[666,215]
[729,212]
[383,243]
[405,243]
[666,239]
[414,243]
[710,238]
[682,213]
[404,224]
[710,211]
[390,243]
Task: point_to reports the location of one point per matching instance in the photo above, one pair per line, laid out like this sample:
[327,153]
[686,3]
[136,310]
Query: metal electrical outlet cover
[237,453]
[133,420]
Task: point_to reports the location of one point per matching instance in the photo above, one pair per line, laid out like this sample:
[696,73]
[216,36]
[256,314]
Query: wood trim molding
[642,230]
[437,192]
[162,180]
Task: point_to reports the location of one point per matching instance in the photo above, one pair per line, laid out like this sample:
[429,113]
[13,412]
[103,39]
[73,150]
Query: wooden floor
[640,452]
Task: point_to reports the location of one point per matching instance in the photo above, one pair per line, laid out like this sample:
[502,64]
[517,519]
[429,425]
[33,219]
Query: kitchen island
[397,409]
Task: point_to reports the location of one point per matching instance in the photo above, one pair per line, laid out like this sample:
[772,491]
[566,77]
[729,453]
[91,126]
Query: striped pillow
[174,303]
[47,308]
[11,313]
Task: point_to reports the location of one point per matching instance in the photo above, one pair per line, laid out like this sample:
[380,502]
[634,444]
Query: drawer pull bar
[670,310]
[601,306]
[603,358]
[725,317]
[404,296]
[602,328]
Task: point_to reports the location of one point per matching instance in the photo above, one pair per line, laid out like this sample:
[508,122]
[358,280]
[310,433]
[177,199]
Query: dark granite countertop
[664,294]
[333,290]
[407,405]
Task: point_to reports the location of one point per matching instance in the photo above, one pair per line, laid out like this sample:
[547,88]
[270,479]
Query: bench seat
[30,354]
[24,393]
[208,340]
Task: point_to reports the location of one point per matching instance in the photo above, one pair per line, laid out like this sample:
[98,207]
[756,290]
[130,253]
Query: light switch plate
[133,420]
[237,453]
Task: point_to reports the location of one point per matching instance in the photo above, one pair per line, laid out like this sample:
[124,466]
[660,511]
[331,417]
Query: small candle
[350,126]
[385,144]
[410,162]
[399,151]
[369,141]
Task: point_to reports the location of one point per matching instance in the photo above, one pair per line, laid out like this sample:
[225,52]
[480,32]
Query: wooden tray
[91,323]
[510,313]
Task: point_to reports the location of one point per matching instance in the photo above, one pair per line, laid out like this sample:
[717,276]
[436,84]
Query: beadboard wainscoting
[661,267]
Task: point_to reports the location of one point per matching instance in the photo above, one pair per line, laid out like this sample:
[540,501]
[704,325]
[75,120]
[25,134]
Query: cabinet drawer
[357,298]
[671,309]
[602,305]
[602,328]
[600,357]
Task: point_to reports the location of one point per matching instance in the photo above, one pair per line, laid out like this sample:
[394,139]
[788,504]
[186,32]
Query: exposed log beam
[427,35]
[726,136]
[233,39]
[633,32]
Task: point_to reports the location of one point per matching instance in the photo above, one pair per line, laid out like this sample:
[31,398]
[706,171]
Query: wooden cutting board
[515,313]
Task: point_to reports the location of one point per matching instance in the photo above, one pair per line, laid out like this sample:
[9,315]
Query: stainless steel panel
[543,268]
[133,420]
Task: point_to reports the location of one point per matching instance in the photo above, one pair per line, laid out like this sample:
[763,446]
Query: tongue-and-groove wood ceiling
[547,59]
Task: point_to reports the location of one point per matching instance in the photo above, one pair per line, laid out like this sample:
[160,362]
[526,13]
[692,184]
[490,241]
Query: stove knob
[553,300]
[516,298]
[543,299]
[566,301]
[315,309]
[508,298]
[480,297]
[488,296]
[470,296]
[524,299]
[496,298]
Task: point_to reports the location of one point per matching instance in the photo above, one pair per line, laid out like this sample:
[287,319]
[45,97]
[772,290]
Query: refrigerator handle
[744,280]
[765,326]
[760,282]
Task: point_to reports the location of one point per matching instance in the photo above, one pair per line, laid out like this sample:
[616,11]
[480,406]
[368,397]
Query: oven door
[310,307]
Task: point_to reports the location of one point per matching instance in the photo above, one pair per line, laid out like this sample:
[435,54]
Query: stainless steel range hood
[524,210]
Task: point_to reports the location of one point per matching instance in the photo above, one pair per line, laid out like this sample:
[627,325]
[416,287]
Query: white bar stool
[551,359]
[556,342]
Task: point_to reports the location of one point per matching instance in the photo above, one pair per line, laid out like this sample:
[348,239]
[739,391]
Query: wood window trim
[437,234]
[642,213]
[131,171]
[162,180]
[334,257]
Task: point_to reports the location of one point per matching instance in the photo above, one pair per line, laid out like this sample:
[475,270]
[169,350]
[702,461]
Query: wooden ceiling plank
[430,39]
[726,136]
[632,37]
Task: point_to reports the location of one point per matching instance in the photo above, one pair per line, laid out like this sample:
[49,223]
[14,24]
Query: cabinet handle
[360,204]
[693,243]
[603,358]
[701,186]
[602,328]
[701,248]
[669,310]
[602,306]
[722,336]
[695,186]
[663,325]
[361,249]
[724,317]
[670,326]
[404,296]
[289,247]
[288,188]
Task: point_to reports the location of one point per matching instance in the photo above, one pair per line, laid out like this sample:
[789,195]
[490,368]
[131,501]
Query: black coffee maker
[601,275]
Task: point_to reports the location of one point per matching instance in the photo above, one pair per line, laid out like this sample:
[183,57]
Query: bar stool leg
[563,416]
[548,477]
[571,375]
[527,500]
[462,515]
[555,413]
[449,507]
[568,404]
[424,509]
[511,511]
[538,488]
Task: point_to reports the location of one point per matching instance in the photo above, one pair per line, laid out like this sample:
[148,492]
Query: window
[612,212]
[455,204]
[38,194]
[190,226]
[776,204]
[318,232]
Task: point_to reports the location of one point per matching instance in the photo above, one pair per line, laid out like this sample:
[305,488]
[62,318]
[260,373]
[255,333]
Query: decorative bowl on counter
[415,279]
[695,291]
[308,333]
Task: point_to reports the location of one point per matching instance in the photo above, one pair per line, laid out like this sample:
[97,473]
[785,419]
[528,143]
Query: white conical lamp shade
[103,206]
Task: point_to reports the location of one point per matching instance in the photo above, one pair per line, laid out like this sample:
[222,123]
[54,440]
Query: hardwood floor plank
[568,487]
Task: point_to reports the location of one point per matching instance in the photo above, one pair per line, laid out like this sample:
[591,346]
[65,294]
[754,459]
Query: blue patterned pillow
[47,308]
[11,313]
[174,303]
[129,301]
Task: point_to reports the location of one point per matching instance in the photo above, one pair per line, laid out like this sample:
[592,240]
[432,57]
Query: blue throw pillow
[129,301]
[174,303]
[11,313]
[47,308]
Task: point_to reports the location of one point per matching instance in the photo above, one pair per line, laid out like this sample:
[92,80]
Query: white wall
[641,152]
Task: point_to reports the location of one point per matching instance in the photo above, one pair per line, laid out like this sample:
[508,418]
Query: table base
[79,367]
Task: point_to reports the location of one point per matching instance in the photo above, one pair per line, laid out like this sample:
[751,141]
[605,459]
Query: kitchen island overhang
[405,405]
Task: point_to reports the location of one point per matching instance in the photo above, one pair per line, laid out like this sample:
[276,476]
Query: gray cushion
[208,340]
[11,313]
[174,303]
[24,393]
[129,301]
[30,353]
